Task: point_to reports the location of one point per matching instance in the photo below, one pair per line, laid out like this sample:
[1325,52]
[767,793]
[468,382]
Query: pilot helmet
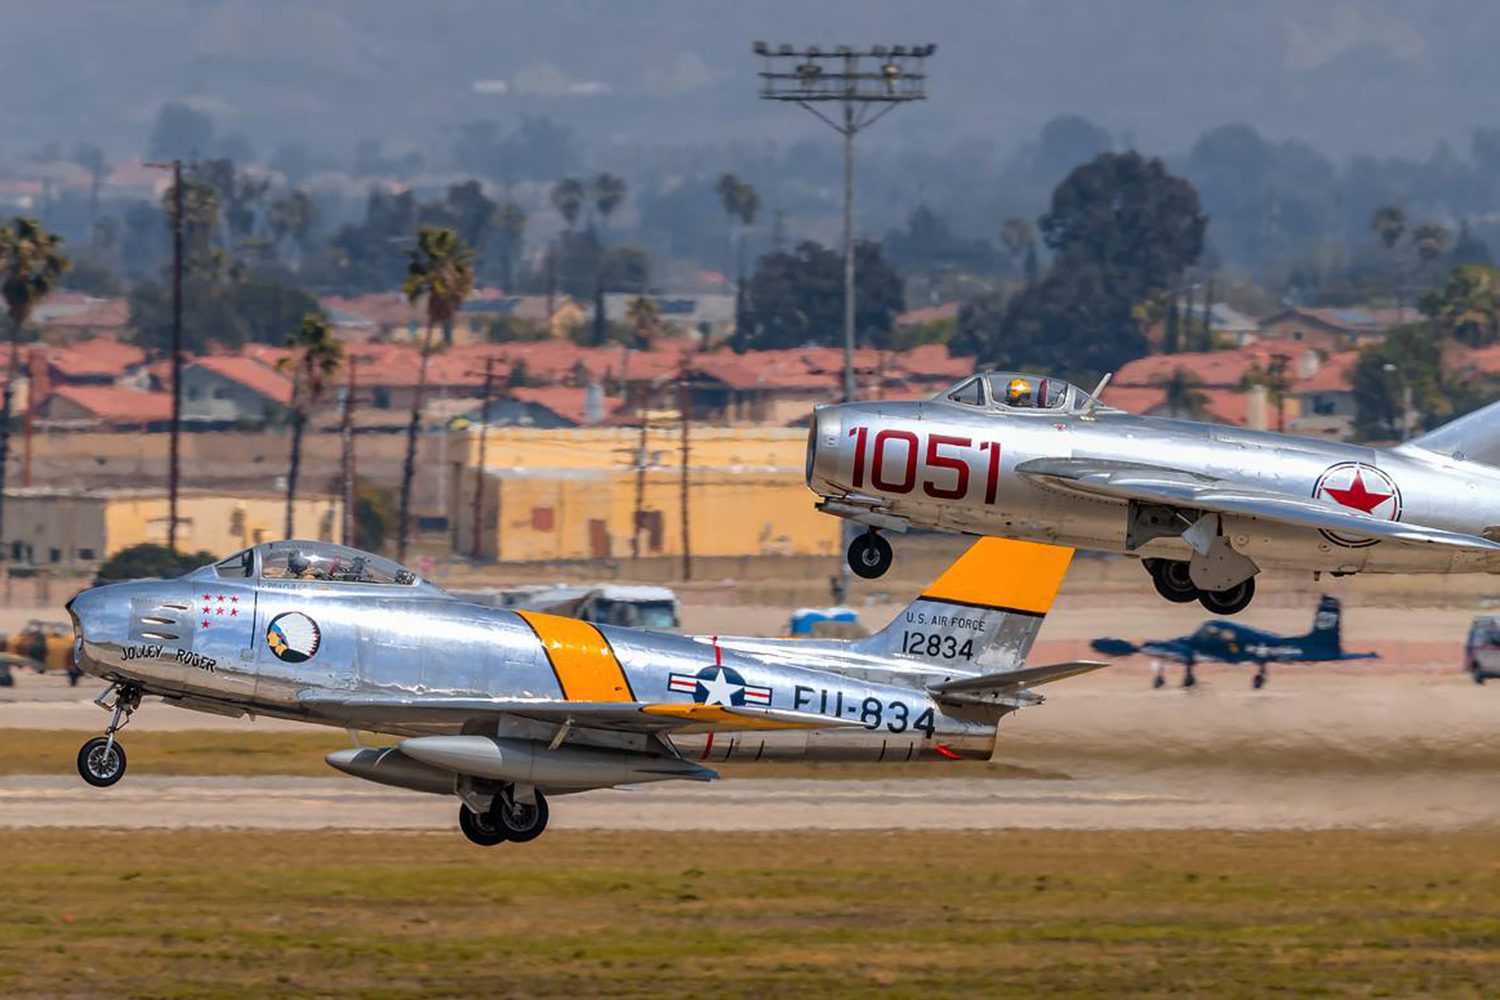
[297,563]
[1018,392]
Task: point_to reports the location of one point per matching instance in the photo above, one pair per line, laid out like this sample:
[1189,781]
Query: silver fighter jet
[1204,506]
[503,708]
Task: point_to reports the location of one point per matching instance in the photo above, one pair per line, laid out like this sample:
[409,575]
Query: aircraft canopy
[1018,391]
[299,559]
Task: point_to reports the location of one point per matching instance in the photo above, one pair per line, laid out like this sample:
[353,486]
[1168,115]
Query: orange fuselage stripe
[586,667]
[1004,573]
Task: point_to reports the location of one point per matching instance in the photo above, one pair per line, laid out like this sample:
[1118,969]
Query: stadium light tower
[849,89]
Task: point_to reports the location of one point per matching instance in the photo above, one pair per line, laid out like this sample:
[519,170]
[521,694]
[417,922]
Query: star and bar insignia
[719,685]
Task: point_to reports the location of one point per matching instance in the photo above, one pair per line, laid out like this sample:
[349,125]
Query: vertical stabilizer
[983,613]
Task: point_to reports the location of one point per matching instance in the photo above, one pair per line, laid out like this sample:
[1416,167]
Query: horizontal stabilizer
[1011,681]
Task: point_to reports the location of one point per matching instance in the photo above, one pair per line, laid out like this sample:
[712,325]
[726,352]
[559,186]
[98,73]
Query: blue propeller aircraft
[1231,642]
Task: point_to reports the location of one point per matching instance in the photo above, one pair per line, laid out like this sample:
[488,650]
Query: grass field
[232,914]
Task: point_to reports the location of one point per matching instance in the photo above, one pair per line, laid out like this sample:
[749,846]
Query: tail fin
[983,613]
[1325,638]
[1474,436]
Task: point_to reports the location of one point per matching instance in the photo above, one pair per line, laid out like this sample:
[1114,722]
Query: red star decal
[205,623]
[205,610]
[205,597]
[233,599]
[233,612]
[1356,496]
[221,611]
[221,598]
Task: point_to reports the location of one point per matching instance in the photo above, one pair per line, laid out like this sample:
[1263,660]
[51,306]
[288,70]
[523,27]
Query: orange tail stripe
[585,665]
[1004,573]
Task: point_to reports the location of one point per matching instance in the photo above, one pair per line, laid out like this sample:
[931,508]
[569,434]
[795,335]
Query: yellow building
[574,494]
[81,528]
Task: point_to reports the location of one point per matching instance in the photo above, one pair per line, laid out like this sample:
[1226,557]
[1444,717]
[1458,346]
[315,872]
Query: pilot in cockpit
[299,567]
[1018,393]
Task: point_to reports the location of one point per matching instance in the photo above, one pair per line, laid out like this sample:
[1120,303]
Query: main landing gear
[510,817]
[870,555]
[1173,583]
[101,760]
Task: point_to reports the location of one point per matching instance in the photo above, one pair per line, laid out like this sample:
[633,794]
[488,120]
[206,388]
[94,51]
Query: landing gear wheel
[870,555]
[101,762]
[1188,680]
[1172,580]
[1158,681]
[1228,602]
[480,828]
[521,821]
[1477,672]
[1258,681]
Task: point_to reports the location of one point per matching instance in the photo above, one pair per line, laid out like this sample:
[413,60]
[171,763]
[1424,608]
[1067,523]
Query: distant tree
[1469,249]
[1130,218]
[1018,237]
[374,516]
[1411,358]
[470,211]
[179,133]
[1467,307]
[314,358]
[644,317]
[149,560]
[91,158]
[31,266]
[796,298]
[510,225]
[220,309]
[1389,224]
[291,219]
[1122,231]
[567,197]
[1431,240]
[607,192]
[441,273]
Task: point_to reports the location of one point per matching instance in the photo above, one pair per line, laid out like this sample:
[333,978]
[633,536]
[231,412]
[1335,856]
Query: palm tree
[644,317]
[442,272]
[291,218]
[314,358]
[608,192]
[1389,223]
[1467,307]
[1019,239]
[1182,396]
[567,198]
[510,220]
[91,158]
[31,266]
[1431,240]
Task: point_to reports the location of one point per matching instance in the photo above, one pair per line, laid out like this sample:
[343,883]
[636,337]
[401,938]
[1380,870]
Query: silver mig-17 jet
[504,708]
[1204,506]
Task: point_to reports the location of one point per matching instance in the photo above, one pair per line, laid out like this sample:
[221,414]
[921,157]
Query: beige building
[574,493]
[81,528]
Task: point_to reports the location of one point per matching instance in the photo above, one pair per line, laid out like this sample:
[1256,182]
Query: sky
[1350,77]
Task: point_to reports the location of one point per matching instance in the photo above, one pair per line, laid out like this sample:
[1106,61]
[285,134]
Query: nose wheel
[870,555]
[101,760]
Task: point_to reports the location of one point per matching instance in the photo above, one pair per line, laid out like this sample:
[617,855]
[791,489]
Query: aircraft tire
[1172,581]
[480,829]
[524,822]
[1228,602]
[870,555]
[1258,681]
[1158,681]
[1478,673]
[100,763]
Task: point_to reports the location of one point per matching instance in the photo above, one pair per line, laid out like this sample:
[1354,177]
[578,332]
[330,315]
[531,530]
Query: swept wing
[1175,487]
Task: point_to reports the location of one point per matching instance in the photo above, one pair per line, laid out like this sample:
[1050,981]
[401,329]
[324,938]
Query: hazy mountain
[1348,77]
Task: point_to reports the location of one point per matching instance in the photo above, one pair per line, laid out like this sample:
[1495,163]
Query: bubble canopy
[297,559]
[1018,391]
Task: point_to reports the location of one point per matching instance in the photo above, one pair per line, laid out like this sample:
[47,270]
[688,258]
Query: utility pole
[477,550]
[640,487]
[865,84]
[173,448]
[684,402]
[346,442]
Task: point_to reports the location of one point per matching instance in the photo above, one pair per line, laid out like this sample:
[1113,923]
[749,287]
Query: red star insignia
[205,623]
[233,599]
[205,610]
[221,598]
[220,611]
[1356,496]
[205,597]
[233,612]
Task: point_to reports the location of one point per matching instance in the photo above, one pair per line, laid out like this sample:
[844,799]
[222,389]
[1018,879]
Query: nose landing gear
[101,760]
[870,555]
